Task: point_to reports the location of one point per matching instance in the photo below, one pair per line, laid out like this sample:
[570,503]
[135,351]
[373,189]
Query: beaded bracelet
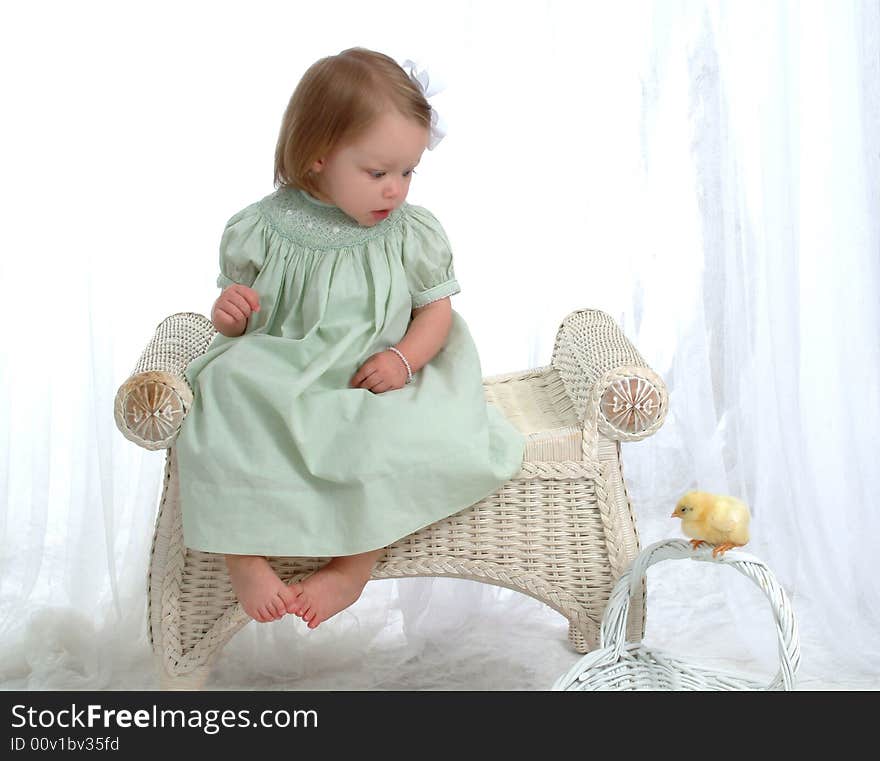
[408,368]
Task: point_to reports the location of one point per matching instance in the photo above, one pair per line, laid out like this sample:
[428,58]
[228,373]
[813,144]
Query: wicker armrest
[602,371]
[150,405]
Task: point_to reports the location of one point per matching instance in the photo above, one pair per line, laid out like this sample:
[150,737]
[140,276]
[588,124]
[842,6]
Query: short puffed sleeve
[242,248]
[427,258]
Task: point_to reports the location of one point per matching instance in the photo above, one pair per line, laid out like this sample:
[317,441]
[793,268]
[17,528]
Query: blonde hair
[335,102]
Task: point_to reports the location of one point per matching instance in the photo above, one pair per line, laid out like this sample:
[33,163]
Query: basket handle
[613,630]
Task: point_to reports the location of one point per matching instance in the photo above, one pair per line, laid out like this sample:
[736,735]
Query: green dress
[278,454]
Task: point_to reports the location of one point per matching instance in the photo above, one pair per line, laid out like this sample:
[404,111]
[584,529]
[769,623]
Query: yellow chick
[722,521]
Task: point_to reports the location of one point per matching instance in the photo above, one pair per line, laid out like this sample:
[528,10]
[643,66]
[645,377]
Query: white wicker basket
[620,665]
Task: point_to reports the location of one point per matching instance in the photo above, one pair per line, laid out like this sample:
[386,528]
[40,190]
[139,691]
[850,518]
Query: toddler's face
[370,177]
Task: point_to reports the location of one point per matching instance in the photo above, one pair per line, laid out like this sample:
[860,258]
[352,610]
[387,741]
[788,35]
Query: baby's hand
[381,372]
[233,307]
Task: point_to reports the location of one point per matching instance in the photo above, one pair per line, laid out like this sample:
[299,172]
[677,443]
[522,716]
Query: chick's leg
[722,548]
[696,543]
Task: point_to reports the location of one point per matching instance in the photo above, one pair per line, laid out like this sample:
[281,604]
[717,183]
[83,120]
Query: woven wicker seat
[562,531]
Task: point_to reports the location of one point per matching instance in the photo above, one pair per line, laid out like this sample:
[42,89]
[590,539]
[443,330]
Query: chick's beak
[673,514]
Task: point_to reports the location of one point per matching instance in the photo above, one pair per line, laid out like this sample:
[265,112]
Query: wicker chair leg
[581,639]
[192,680]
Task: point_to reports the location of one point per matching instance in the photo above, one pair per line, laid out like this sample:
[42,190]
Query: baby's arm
[426,333]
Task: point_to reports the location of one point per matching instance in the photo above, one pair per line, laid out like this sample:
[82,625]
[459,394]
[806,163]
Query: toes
[271,611]
[298,606]
[277,607]
[292,598]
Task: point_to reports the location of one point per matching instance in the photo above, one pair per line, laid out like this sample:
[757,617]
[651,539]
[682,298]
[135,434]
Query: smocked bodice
[297,215]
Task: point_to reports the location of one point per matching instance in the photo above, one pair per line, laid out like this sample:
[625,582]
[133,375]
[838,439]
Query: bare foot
[332,588]
[261,593]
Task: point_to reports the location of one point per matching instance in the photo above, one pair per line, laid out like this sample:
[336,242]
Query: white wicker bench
[562,531]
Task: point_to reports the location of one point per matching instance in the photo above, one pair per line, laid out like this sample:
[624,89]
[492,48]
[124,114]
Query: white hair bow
[420,76]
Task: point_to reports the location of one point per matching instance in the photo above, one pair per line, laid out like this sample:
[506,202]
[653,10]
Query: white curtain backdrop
[708,173]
